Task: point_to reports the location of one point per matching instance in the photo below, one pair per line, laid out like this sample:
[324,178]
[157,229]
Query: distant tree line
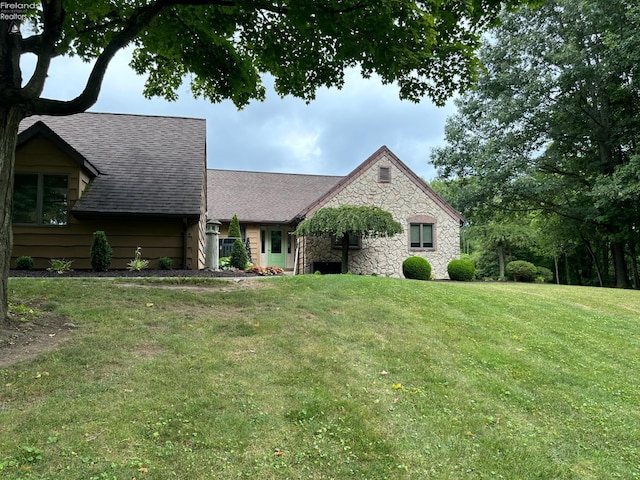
[543,156]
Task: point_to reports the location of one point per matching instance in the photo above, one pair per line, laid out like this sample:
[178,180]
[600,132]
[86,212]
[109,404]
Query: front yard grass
[326,377]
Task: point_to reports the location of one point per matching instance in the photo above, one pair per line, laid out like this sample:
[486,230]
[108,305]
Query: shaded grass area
[327,377]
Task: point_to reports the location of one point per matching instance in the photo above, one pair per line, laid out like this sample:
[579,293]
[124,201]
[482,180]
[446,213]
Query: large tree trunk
[595,263]
[345,253]
[620,265]
[634,265]
[501,260]
[9,122]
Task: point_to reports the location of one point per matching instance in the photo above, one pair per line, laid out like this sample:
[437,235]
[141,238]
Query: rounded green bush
[521,271]
[461,270]
[165,263]
[24,263]
[416,268]
[544,275]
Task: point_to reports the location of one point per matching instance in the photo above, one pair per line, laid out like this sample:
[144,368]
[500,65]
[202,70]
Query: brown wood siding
[40,156]
[158,238]
[202,224]
[253,234]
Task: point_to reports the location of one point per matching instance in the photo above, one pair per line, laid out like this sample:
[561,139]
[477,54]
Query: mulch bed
[131,274]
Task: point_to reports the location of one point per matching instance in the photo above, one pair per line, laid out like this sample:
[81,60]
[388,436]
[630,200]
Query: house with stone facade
[270,206]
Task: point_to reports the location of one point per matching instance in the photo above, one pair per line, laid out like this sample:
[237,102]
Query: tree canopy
[222,48]
[553,125]
[349,220]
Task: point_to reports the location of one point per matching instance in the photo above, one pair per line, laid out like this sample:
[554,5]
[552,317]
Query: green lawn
[327,377]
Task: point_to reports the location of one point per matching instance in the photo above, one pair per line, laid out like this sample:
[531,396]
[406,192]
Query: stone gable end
[398,194]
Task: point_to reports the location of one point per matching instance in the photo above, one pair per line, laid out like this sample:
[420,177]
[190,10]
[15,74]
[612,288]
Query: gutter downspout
[185,239]
[295,262]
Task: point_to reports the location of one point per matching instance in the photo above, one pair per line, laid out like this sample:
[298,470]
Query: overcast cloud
[330,136]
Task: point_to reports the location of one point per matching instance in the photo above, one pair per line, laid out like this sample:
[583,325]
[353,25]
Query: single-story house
[269,206]
[141,179]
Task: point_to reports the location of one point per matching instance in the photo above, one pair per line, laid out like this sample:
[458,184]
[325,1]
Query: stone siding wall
[404,200]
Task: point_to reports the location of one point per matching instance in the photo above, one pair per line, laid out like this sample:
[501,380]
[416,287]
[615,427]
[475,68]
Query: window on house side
[40,199]
[354,242]
[384,175]
[421,235]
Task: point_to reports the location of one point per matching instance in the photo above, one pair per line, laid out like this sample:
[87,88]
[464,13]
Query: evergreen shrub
[234,228]
[239,257]
[24,263]
[416,268]
[521,271]
[100,252]
[165,263]
[461,270]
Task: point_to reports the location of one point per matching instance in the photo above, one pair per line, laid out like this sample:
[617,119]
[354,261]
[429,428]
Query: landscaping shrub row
[418,268]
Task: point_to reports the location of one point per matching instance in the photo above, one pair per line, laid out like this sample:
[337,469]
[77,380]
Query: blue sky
[329,136]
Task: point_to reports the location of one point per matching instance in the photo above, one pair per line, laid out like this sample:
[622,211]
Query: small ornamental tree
[239,257]
[100,252]
[234,228]
[349,220]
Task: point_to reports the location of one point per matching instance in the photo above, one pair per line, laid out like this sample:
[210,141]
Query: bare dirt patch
[30,331]
[229,285]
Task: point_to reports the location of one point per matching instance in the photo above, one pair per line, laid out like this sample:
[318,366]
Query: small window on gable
[384,175]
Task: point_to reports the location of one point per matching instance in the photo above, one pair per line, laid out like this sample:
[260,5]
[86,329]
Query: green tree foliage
[553,125]
[349,220]
[224,48]
[234,228]
[100,252]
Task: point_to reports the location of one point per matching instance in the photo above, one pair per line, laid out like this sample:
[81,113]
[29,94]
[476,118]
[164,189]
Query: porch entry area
[275,247]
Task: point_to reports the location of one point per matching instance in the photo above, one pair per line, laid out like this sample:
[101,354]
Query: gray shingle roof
[263,197]
[148,165]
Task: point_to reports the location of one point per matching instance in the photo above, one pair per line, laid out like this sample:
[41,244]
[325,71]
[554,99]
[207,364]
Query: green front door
[276,255]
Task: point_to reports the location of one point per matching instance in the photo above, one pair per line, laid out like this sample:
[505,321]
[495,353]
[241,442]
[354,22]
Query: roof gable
[147,165]
[368,163]
[41,129]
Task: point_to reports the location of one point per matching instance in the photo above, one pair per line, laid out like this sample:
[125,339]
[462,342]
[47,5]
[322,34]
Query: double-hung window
[421,235]
[40,199]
